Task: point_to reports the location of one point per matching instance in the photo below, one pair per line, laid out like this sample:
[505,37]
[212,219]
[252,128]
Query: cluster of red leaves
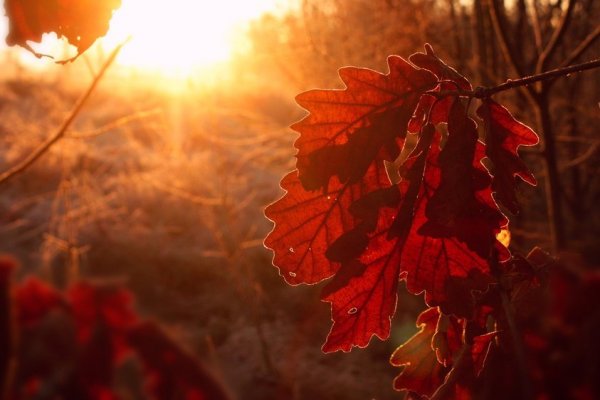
[71,345]
[81,22]
[344,218]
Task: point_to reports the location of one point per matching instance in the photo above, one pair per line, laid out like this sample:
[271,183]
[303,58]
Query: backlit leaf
[504,135]
[81,22]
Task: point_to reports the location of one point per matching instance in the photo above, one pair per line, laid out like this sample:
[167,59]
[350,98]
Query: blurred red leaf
[105,308]
[171,372]
[81,22]
[34,299]
[70,345]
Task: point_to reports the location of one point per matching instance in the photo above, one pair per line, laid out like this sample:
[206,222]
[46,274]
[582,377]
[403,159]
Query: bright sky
[177,36]
[184,34]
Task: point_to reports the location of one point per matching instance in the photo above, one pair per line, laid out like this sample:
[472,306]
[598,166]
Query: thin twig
[518,347]
[115,124]
[537,30]
[550,75]
[589,153]
[44,147]
[582,47]
[447,388]
[515,338]
[501,32]
[556,38]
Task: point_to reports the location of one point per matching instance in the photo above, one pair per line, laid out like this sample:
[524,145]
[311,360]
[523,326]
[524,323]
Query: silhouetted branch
[44,147]
[483,92]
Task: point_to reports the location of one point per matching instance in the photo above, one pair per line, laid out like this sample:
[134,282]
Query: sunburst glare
[179,36]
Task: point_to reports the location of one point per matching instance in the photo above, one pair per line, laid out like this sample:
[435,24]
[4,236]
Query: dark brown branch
[44,147]
[545,76]
[483,92]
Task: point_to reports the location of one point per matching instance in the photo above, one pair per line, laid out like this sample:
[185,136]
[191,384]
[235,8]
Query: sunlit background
[174,39]
[178,36]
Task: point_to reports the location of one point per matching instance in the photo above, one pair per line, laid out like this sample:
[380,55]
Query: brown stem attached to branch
[525,387]
[518,347]
[60,133]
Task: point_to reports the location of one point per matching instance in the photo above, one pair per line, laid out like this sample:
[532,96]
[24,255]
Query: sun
[178,36]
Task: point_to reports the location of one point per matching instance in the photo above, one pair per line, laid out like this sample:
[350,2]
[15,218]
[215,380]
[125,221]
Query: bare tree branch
[556,38]
[500,30]
[583,46]
[483,92]
[44,147]
[537,29]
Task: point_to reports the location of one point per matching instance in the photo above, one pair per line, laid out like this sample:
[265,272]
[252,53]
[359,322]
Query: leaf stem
[446,389]
[518,348]
[60,133]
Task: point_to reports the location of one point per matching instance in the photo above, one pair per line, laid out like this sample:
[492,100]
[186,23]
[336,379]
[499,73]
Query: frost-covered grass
[166,192]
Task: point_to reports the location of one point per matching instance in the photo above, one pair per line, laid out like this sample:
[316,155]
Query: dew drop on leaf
[353,310]
[291,249]
[292,274]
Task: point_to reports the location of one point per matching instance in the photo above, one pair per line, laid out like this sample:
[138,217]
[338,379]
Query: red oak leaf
[504,135]
[441,261]
[432,257]
[447,250]
[455,209]
[422,372]
[341,217]
[348,129]
[363,293]
[81,22]
[307,223]
[341,151]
